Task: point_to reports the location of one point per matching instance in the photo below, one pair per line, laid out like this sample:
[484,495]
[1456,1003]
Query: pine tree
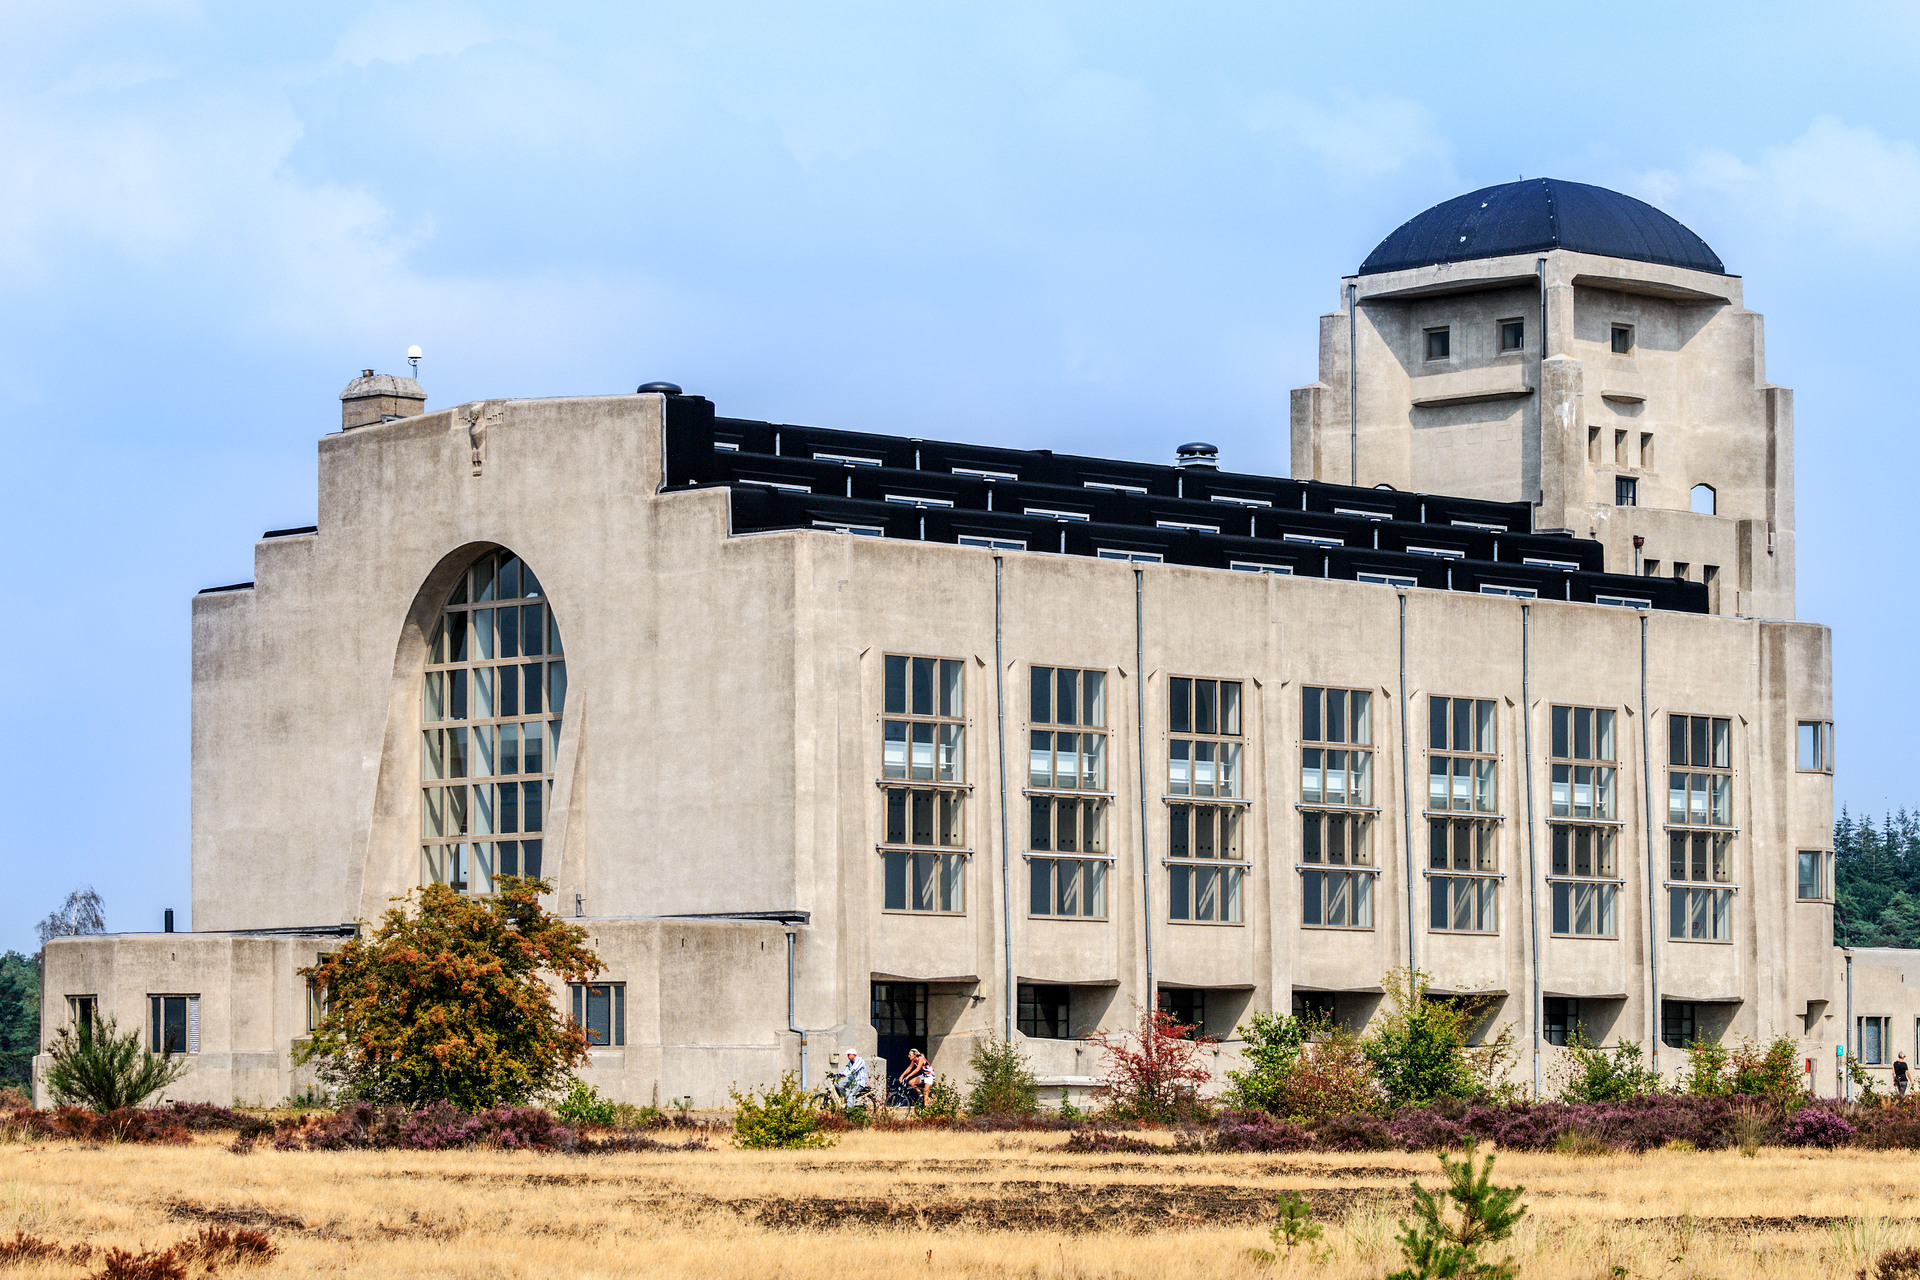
[1446,1246]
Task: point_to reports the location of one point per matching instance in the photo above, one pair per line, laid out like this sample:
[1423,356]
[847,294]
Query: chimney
[379,397]
[1198,456]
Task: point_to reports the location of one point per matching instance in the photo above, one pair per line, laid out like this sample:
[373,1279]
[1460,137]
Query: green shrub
[584,1105]
[1772,1072]
[1599,1075]
[1003,1083]
[1420,1051]
[943,1101]
[780,1117]
[1706,1075]
[1273,1046]
[103,1070]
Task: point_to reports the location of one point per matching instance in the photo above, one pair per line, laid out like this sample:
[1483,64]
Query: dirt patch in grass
[226,1215]
[1073,1209]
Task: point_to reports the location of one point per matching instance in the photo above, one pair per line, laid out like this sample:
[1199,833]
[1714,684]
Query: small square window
[1626,491]
[1513,335]
[1439,344]
[1623,339]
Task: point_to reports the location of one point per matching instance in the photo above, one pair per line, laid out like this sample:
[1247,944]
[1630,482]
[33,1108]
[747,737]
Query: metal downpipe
[1406,798]
[1006,855]
[1533,861]
[1140,731]
[791,1025]
[1353,385]
[1653,880]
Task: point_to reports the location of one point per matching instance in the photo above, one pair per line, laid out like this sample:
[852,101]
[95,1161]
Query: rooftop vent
[379,397]
[664,388]
[1198,455]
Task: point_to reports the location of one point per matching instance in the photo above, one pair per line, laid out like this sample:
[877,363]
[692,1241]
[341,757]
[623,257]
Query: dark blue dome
[1534,216]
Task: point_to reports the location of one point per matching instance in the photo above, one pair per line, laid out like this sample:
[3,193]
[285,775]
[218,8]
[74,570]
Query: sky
[1103,228]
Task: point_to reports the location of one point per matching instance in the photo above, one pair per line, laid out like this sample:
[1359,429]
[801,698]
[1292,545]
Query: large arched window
[494,692]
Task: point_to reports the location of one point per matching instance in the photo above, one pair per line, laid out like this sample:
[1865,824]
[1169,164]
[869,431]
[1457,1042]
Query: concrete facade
[719,780]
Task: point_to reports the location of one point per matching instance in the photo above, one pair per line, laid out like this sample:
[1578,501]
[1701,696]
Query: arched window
[495,689]
[1704,499]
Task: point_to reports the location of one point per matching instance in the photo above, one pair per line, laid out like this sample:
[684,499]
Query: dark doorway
[900,1016]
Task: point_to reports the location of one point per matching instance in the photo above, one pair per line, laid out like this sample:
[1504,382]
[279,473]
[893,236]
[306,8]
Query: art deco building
[835,739]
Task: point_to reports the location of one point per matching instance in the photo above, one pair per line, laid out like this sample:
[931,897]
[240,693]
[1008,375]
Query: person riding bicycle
[918,1076]
[853,1079]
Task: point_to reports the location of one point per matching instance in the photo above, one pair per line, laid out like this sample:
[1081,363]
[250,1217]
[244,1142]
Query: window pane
[1809,752]
[1607,928]
[556,687]
[1040,695]
[1179,827]
[1462,724]
[1230,707]
[1722,916]
[1180,705]
[1205,708]
[893,750]
[1562,733]
[1437,774]
[1484,738]
[1310,896]
[896,889]
[1094,694]
[533,748]
[1809,875]
[1363,902]
[1066,888]
[1066,759]
[1562,912]
[1484,797]
[951,753]
[1722,752]
[1178,768]
[457,697]
[1310,780]
[922,686]
[1336,715]
[1677,740]
[1437,913]
[1094,745]
[1040,886]
[1676,913]
[1067,702]
[1230,904]
[1721,811]
[926,868]
[921,757]
[951,705]
[896,700]
[1178,906]
[1310,837]
[953,882]
[1310,699]
[1096,894]
[1362,718]
[1040,759]
[921,831]
[1582,733]
[1437,721]
[1699,726]
[1562,789]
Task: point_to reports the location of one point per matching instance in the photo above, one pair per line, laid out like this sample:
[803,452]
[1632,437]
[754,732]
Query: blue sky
[1097,227]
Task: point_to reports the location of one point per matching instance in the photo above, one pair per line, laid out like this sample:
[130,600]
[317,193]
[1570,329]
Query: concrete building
[835,739]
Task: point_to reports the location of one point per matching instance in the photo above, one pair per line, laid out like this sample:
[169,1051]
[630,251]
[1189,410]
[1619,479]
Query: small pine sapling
[1446,1246]
[1293,1226]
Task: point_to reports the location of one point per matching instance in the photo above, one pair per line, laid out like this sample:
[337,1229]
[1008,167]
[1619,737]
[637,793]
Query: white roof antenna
[413,358]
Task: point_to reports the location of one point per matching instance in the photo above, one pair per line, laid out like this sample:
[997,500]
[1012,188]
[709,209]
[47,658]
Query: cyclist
[853,1079]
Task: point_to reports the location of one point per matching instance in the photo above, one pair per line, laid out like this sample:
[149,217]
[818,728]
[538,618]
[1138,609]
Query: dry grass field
[940,1204]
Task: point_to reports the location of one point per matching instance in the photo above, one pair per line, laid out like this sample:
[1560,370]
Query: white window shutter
[193,1024]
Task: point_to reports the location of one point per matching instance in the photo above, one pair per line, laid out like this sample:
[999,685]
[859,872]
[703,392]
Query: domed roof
[1536,215]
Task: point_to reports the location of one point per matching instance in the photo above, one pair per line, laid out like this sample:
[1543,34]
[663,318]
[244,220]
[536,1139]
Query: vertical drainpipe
[1846,1089]
[1653,882]
[1533,868]
[1140,730]
[1353,384]
[1406,800]
[791,1024]
[1006,854]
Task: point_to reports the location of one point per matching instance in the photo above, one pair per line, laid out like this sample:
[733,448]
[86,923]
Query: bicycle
[834,1095]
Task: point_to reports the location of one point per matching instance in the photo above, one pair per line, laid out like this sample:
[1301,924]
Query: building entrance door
[900,1016]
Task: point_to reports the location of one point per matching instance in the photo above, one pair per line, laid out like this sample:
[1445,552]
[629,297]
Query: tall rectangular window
[601,1010]
[1626,491]
[175,1024]
[1873,1043]
[1206,868]
[1584,878]
[1699,828]
[1679,1024]
[1463,865]
[1815,880]
[1560,1019]
[1066,782]
[1814,748]
[923,775]
[1336,808]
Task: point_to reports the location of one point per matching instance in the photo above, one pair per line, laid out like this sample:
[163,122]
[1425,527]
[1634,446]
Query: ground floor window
[1315,1007]
[1186,1006]
[934,882]
[601,1010]
[1074,888]
[1679,1025]
[899,1016]
[1559,1019]
[1873,1043]
[175,1024]
[83,1012]
[1585,910]
[1700,915]
[1043,1011]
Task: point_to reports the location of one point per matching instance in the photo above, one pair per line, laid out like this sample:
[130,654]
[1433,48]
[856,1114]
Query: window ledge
[1334,866]
[1211,924]
[1586,937]
[1205,862]
[1702,827]
[1430,872]
[923,786]
[1232,800]
[1699,884]
[1059,856]
[1584,822]
[1068,793]
[1340,928]
[1554,877]
[1304,806]
[922,848]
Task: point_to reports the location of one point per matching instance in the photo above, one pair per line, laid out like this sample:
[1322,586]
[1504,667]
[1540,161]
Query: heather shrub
[1332,1077]
[206,1117]
[1894,1126]
[1355,1133]
[441,1127]
[1003,1082]
[102,1069]
[127,1124]
[1155,1073]
[1106,1143]
[1599,1075]
[1255,1131]
[1815,1126]
[1425,1129]
[779,1117]
[24,1248]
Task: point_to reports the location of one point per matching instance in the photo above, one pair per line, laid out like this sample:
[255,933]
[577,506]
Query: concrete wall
[1555,422]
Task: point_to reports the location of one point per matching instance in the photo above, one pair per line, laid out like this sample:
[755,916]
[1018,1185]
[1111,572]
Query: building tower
[1565,345]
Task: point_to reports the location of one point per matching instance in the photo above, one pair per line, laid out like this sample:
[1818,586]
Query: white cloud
[1357,138]
[1846,183]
